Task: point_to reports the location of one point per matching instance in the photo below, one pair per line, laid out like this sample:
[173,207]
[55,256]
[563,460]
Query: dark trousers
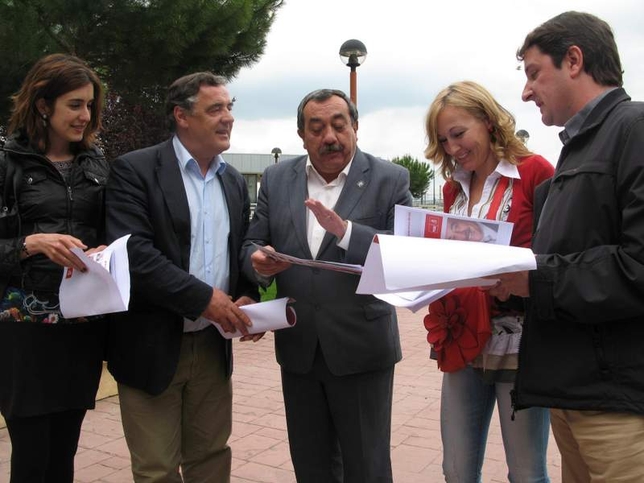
[43,447]
[339,427]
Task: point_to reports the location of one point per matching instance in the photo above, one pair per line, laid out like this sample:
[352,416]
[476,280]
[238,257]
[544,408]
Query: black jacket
[146,198]
[583,338]
[46,203]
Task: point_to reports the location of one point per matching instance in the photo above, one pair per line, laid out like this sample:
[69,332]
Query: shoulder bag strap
[497,197]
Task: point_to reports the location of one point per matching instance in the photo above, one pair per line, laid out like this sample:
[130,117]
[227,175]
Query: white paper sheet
[324,265]
[404,264]
[419,222]
[413,301]
[410,221]
[105,286]
[271,315]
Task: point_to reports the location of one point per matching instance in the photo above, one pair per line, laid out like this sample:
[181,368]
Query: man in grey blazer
[187,213]
[338,360]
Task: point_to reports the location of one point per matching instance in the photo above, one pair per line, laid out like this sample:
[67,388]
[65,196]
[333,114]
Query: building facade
[251,166]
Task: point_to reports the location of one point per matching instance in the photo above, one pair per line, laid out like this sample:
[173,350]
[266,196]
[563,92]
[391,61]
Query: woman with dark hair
[52,181]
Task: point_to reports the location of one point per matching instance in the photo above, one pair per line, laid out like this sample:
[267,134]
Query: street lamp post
[276,154]
[523,135]
[434,189]
[353,53]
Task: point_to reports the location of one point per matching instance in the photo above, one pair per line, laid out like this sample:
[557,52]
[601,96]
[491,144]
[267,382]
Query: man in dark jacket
[582,350]
[187,212]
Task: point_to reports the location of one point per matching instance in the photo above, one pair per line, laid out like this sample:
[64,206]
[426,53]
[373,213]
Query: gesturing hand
[328,219]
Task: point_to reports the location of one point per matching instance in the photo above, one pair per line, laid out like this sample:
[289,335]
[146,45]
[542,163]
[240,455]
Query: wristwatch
[24,249]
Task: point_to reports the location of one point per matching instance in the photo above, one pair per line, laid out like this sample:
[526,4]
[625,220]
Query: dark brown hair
[48,79]
[183,93]
[591,34]
[322,95]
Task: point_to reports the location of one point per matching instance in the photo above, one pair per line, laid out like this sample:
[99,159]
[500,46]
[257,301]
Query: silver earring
[44,120]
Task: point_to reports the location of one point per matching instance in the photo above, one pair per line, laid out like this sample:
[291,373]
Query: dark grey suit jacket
[145,197]
[357,333]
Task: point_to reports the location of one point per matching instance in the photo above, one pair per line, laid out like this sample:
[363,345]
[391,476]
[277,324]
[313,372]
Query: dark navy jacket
[583,338]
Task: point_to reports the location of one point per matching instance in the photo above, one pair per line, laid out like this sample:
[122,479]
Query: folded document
[271,315]
[404,264]
[105,286]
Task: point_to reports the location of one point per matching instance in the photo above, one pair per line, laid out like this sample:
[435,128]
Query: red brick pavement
[259,441]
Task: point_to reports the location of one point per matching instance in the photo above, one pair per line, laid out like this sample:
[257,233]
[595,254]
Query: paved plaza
[259,442]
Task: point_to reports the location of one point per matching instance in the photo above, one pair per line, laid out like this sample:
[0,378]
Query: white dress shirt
[327,194]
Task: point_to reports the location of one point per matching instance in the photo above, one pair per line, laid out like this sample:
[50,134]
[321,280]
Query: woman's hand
[56,247]
[99,248]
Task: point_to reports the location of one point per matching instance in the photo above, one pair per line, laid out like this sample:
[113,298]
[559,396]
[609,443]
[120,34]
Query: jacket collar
[598,114]
[18,144]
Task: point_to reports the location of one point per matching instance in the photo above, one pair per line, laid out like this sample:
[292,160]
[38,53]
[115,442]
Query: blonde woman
[490,175]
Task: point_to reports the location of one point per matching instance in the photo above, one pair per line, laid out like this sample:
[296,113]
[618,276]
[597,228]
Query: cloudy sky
[415,48]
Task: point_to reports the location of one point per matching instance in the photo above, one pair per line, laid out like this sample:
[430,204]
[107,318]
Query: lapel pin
[360,184]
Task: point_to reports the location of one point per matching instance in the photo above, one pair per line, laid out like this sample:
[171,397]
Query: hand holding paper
[325,265]
[271,315]
[419,222]
[58,247]
[266,261]
[403,264]
[103,288]
[229,315]
[515,283]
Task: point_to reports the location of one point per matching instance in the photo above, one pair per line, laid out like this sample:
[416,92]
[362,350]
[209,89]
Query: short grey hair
[322,95]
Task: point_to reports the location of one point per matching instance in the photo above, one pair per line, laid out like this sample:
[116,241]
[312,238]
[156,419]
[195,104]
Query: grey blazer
[356,333]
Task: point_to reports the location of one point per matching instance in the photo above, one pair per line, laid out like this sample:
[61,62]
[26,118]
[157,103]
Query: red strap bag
[458,327]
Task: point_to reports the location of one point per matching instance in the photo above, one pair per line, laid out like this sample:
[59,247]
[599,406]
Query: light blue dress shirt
[209,224]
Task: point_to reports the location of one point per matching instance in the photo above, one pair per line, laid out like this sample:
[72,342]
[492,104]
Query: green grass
[269,293]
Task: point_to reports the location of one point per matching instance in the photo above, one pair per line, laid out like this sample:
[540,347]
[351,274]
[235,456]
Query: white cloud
[262,135]
[416,48]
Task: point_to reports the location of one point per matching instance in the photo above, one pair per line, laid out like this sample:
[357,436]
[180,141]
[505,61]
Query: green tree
[420,174]
[138,47]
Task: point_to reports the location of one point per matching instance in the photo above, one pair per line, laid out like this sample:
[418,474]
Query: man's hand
[244,300]
[513,283]
[328,219]
[266,266]
[240,302]
[253,337]
[223,311]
